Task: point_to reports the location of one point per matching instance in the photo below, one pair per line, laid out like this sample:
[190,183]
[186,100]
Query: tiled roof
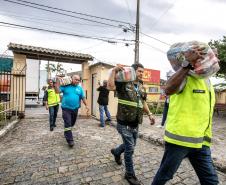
[95,63]
[19,48]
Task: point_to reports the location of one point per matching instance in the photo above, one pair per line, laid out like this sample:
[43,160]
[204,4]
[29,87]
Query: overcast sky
[167,21]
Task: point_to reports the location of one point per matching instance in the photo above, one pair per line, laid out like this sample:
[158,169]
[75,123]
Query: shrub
[156,107]
[2,117]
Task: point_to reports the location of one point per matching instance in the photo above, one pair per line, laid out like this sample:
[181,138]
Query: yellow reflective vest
[189,119]
[53,97]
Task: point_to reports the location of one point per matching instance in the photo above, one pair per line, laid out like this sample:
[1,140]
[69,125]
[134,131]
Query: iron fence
[8,112]
[9,98]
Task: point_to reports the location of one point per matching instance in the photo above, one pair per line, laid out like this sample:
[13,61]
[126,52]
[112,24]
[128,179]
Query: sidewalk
[154,135]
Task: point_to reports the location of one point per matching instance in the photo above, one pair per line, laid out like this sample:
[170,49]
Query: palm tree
[50,69]
[59,68]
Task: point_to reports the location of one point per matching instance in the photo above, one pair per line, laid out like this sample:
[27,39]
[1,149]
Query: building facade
[100,71]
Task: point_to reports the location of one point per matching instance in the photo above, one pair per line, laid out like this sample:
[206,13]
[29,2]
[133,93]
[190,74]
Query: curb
[8,127]
[160,142]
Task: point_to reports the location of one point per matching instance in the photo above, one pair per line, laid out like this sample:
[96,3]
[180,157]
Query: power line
[26,19]
[153,47]
[45,24]
[163,42]
[166,11]
[79,13]
[90,20]
[156,39]
[129,11]
[96,45]
[110,40]
[48,20]
[114,37]
[132,30]
[33,20]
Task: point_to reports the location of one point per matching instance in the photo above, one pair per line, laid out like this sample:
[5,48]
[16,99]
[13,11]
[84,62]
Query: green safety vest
[53,97]
[189,119]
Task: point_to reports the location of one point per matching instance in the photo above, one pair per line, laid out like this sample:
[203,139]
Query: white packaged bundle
[128,74]
[202,68]
[65,80]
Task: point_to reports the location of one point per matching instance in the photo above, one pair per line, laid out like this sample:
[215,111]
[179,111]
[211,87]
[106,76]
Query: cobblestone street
[155,135]
[31,154]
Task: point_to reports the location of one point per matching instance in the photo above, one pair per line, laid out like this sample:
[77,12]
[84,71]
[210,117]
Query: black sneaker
[51,129]
[118,159]
[70,144]
[132,179]
[108,120]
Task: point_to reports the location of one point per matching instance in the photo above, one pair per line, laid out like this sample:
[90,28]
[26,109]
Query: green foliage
[54,68]
[2,117]
[221,47]
[156,107]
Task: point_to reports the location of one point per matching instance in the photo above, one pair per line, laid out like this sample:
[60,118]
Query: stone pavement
[31,154]
[155,135]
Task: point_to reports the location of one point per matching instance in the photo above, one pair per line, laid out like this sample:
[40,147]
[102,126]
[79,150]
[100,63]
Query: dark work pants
[53,110]
[69,117]
[200,160]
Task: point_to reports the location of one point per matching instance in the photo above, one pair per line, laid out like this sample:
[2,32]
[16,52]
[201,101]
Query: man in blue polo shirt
[71,102]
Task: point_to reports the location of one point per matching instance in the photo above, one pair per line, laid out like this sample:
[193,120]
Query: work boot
[51,129]
[70,144]
[132,179]
[118,159]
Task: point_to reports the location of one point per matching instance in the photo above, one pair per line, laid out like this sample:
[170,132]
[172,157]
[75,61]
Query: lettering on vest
[198,91]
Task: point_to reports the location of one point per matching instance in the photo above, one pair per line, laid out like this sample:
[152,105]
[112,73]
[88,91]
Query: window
[153,89]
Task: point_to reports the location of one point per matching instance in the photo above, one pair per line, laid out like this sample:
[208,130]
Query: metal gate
[9,105]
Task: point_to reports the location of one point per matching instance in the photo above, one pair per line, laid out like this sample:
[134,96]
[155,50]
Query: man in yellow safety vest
[188,130]
[51,100]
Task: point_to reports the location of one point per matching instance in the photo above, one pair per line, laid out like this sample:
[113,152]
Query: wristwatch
[186,64]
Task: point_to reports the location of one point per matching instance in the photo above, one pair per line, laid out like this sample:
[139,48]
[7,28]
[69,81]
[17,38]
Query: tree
[59,68]
[221,47]
[51,68]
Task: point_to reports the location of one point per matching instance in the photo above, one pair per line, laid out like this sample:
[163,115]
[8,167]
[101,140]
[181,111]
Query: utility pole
[136,60]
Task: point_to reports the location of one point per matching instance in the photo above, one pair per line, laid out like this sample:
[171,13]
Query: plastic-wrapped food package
[126,75]
[65,80]
[202,68]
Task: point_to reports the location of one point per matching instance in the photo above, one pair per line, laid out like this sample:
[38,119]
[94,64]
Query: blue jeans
[129,138]
[200,159]
[102,109]
[69,117]
[53,110]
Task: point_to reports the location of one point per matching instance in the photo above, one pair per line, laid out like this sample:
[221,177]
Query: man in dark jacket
[131,105]
[103,103]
